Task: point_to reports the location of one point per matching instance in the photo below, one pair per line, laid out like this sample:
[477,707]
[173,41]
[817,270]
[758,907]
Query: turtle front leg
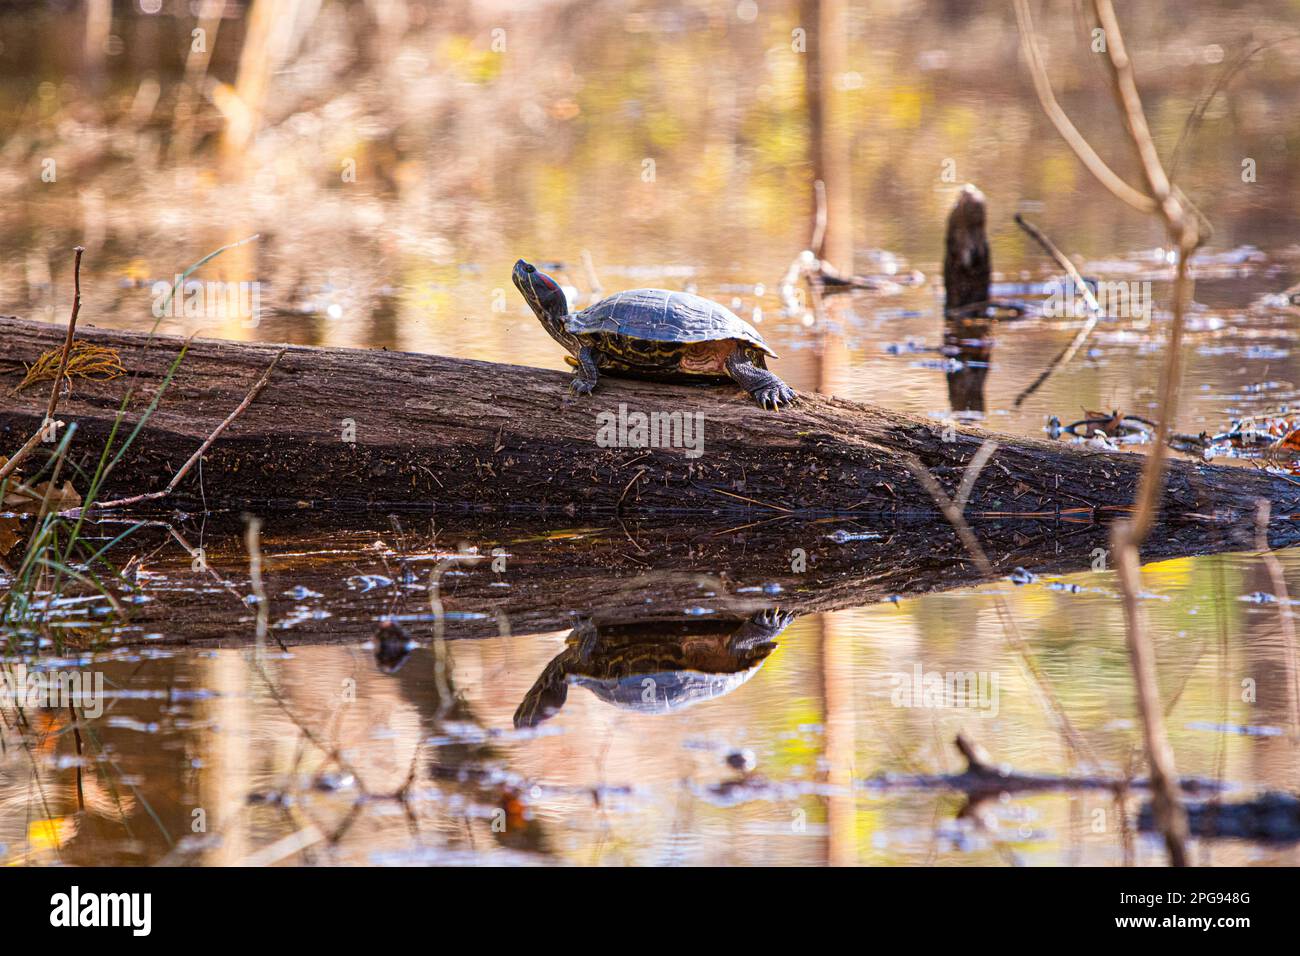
[588,372]
[765,388]
[760,630]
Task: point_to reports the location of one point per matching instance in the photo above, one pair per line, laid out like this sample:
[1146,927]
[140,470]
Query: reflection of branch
[1094,308]
[252,542]
[1161,198]
[953,511]
[982,778]
[1286,617]
[439,626]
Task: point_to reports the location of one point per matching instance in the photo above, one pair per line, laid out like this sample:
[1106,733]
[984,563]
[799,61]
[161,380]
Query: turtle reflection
[392,647]
[654,667]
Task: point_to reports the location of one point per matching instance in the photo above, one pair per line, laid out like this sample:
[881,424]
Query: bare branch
[1069,132]
[193,459]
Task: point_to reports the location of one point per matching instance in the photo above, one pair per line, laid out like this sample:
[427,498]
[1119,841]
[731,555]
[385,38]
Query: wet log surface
[445,435]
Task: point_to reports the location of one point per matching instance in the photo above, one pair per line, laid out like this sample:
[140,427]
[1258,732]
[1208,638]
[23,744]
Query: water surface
[306,749]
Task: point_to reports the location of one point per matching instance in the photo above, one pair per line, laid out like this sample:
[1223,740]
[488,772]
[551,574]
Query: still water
[311,747]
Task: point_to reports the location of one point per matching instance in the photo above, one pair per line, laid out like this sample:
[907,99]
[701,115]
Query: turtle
[654,667]
[654,334]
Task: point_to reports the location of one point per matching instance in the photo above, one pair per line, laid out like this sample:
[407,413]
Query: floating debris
[1109,429]
[840,536]
[742,760]
[1067,587]
[368,582]
[392,647]
[300,593]
[332,781]
[1260,597]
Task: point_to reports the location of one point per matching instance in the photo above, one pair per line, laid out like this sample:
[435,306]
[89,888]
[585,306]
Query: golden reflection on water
[195,735]
[466,162]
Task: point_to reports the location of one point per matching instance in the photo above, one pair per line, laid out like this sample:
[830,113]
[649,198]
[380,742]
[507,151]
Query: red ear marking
[547,281]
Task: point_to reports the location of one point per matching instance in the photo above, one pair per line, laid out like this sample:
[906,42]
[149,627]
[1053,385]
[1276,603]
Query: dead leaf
[27,499]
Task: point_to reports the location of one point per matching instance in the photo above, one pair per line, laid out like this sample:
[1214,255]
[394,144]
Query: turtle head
[544,295]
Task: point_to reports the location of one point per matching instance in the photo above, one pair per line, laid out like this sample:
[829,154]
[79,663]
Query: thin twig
[184,470]
[1198,112]
[12,464]
[56,388]
[1061,260]
[1094,309]
[972,474]
[1128,535]
[67,339]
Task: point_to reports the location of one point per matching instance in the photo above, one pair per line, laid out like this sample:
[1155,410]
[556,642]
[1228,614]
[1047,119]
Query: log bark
[446,434]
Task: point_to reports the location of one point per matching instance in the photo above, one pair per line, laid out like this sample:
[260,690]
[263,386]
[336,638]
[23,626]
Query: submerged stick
[982,778]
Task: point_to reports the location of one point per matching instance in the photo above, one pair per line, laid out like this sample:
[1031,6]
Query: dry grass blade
[84,360]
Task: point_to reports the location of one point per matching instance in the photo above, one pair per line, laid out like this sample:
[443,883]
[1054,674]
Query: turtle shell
[657,315]
[671,690]
[654,667]
[663,666]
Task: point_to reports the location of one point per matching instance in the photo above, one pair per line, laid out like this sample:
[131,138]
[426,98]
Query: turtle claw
[775,619]
[580,386]
[761,629]
[774,397]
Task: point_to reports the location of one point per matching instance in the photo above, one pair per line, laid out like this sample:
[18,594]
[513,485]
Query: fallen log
[349,427]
